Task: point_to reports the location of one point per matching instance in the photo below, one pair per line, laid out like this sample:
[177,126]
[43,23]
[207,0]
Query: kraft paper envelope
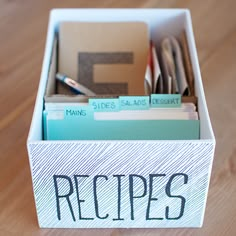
[108,58]
[187,63]
[173,68]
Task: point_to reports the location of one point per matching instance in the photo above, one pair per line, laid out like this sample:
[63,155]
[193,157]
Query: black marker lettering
[151,177]
[78,198]
[131,191]
[119,196]
[66,196]
[168,193]
[95,195]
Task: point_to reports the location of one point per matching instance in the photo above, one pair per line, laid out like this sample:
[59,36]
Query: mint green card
[134,102]
[104,104]
[166,100]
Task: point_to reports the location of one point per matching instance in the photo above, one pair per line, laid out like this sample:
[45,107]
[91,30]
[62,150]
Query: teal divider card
[45,113]
[134,102]
[123,130]
[166,100]
[79,124]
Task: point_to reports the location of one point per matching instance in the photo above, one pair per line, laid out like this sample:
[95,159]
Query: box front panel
[120,184]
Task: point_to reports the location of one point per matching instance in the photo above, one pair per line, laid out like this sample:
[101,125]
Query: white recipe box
[122,184]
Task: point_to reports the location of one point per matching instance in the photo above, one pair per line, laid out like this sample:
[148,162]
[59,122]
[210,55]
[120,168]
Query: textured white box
[122,184]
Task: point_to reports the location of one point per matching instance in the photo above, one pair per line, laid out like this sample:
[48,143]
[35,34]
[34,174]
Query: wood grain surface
[23,27]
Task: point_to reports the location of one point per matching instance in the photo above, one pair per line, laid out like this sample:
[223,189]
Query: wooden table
[23,27]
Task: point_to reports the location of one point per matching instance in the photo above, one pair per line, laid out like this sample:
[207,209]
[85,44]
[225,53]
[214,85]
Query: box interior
[161,23]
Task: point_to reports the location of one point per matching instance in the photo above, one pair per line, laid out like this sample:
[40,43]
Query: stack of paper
[123,118]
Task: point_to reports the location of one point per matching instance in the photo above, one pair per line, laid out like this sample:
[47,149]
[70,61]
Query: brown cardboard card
[107,58]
